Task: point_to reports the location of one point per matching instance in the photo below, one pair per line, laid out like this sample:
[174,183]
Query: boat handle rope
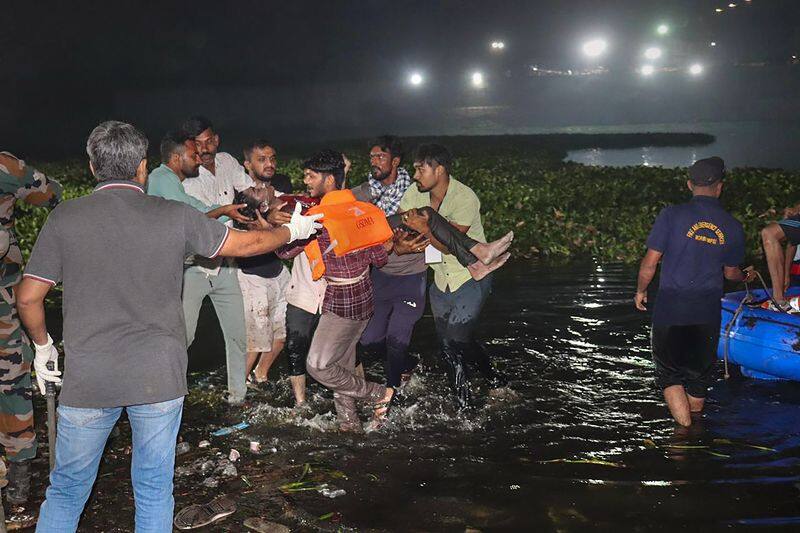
[747,298]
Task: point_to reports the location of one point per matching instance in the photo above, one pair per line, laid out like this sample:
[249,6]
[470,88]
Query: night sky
[74,63]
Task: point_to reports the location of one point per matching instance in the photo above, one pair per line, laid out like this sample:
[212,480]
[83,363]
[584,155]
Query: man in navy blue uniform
[698,243]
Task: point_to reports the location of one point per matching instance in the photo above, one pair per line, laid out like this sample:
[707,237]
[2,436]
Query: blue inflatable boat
[765,344]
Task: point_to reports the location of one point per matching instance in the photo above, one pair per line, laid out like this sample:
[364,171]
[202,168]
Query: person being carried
[698,244]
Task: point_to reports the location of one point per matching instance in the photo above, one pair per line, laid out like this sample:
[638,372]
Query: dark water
[577,353]
[770,144]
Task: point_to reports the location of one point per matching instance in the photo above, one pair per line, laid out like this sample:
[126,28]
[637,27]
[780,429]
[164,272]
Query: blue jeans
[82,435]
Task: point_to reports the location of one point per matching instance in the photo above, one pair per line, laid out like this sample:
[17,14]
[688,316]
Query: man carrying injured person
[355,235]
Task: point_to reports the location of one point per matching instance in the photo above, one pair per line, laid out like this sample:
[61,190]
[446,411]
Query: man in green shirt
[456,298]
[180,161]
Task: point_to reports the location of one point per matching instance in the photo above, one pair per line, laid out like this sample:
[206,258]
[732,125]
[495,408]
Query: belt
[342,282]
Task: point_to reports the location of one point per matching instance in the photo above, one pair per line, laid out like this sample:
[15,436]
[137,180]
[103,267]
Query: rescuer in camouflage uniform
[17,436]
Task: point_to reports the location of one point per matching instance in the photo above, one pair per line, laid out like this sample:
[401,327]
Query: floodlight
[477,80]
[696,69]
[595,47]
[652,53]
[647,70]
[415,79]
[662,29]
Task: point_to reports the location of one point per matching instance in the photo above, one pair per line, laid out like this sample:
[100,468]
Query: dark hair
[116,149]
[196,125]
[389,143]
[434,153]
[173,143]
[327,162]
[256,145]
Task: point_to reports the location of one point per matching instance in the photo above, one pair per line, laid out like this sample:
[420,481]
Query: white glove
[302,227]
[45,354]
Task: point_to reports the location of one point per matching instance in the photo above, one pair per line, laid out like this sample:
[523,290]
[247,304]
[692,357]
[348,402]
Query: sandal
[197,515]
[380,413]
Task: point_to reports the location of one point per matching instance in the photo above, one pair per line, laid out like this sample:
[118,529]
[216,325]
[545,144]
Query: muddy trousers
[300,328]
[16,408]
[399,304]
[332,362]
[456,314]
[225,294]
[456,241]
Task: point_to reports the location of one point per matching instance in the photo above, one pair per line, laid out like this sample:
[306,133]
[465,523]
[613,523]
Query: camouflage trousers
[17,435]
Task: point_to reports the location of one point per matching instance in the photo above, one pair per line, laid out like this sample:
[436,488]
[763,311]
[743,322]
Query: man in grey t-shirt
[119,254]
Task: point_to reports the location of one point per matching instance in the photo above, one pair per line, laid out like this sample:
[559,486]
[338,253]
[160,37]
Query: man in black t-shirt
[264,278]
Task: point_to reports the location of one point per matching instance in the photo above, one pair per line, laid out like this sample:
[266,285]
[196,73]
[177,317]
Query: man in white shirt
[220,175]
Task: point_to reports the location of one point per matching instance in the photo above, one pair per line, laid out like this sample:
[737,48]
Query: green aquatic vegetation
[745,445]
[557,210]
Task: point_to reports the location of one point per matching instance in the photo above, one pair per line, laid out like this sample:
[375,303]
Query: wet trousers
[456,314]
[456,241]
[332,362]
[300,328]
[399,304]
[16,408]
[225,294]
[82,436]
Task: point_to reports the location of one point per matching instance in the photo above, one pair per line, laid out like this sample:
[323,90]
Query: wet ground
[588,443]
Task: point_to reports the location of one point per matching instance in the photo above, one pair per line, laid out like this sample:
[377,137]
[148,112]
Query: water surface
[577,354]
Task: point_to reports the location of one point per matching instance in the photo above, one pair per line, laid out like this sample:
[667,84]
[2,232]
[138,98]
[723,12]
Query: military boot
[19,482]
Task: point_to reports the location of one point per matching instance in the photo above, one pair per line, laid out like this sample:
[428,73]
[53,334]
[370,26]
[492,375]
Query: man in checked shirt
[346,309]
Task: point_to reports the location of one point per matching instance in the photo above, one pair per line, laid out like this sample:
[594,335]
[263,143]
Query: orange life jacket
[352,225]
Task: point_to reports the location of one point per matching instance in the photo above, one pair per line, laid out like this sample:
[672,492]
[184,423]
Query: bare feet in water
[380,410]
[479,271]
[488,252]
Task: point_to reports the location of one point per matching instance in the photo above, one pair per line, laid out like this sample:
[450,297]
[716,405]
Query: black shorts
[685,355]
[791,228]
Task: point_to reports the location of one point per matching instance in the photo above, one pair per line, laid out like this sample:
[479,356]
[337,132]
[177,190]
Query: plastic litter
[203,444]
[230,429]
[328,493]
[182,447]
[234,455]
[255,446]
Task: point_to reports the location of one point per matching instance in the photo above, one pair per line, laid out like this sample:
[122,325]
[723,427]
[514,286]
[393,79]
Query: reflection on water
[740,144]
[588,443]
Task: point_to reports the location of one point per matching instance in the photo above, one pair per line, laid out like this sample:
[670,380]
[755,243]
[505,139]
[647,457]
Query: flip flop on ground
[196,515]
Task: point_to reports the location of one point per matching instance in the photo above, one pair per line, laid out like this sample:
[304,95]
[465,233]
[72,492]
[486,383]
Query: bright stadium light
[662,29]
[595,47]
[415,79]
[652,53]
[731,5]
[719,10]
[647,70]
[696,69]
[498,45]
[713,43]
[477,80]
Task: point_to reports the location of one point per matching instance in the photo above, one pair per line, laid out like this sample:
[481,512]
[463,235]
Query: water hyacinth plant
[556,209]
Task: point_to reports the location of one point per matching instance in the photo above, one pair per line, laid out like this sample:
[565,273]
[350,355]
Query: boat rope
[747,298]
